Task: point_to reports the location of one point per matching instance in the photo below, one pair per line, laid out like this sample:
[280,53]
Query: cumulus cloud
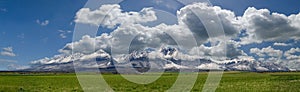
[150,36]
[194,16]
[43,23]
[221,51]
[7,51]
[267,54]
[112,15]
[88,45]
[120,38]
[262,25]
[292,59]
[290,54]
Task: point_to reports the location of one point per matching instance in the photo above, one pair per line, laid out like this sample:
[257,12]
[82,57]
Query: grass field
[231,82]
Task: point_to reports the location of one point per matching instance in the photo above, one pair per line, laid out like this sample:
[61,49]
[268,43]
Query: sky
[33,29]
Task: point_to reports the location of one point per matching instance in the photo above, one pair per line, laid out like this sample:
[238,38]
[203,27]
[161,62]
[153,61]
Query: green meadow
[231,82]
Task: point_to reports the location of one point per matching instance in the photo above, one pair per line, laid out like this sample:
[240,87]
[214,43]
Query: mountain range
[166,58]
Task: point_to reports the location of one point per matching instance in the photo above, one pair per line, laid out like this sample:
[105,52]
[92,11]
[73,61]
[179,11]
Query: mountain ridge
[166,58]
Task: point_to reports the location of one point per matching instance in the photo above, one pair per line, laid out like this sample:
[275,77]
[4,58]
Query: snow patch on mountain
[163,58]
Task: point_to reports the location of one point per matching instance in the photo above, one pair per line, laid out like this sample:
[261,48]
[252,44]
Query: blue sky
[30,40]
[31,27]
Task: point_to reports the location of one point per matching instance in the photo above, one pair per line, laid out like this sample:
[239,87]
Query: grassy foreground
[231,82]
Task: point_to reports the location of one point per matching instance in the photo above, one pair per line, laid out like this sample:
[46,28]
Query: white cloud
[292,59]
[111,15]
[63,33]
[43,23]
[295,20]
[290,54]
[87,44]
[281,44]
[262,25]
[7,51]
[219,51]
[149,36]
[189,15]
[269,52]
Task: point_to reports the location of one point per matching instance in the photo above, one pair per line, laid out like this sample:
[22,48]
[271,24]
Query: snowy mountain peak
[165,58]
[138,55]
[169,52]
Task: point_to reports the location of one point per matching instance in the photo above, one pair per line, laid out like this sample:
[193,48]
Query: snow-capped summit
[98,59]
[245,65]
[138,55]
[164,58]
[169,52]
